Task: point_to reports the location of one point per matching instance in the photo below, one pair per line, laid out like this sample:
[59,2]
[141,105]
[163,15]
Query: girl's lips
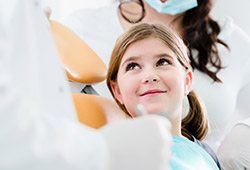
[154,91]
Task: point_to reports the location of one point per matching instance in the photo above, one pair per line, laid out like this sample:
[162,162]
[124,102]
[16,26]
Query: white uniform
[39,129]
[234,151]
[226,102]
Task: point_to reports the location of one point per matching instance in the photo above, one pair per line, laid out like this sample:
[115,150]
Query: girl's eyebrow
[128,60]
[134,58]
[164,55]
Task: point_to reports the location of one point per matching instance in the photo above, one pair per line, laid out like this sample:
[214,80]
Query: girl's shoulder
[189,154]
[208,149]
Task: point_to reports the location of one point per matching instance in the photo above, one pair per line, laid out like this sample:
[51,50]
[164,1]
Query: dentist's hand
[140,143]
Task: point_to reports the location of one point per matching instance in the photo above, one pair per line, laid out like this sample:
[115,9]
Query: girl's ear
[116,91]
[188,82]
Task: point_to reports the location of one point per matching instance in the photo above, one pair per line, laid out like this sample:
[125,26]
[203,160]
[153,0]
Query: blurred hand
[234,151]
[140,143]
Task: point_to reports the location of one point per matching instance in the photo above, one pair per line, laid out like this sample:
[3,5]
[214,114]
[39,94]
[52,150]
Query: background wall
[237,9]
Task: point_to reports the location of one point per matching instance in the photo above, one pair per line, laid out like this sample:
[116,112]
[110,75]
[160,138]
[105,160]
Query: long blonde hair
[195,123]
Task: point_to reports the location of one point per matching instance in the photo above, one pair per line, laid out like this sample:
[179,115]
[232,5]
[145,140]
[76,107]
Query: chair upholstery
[82,65]
[96,111]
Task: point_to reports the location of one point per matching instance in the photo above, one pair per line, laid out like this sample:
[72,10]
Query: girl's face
[150,74]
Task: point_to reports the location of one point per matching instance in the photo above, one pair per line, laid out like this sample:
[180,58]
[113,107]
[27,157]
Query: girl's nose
[151,78]
[149,74]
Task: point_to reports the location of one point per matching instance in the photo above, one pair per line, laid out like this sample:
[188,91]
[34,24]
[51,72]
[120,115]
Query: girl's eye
[132,66]
[163,61]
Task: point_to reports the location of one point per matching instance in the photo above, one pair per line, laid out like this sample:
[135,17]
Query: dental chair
[82,65]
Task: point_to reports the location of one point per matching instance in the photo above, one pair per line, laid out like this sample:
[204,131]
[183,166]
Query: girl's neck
[176,127]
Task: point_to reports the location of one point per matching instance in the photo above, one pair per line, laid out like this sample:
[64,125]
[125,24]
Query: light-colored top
[39,127]
[190,156]
[225,102]
[234,151]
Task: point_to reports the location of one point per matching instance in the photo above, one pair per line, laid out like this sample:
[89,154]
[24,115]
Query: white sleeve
[243,107]
[234,151]
[37,119]
[30,139]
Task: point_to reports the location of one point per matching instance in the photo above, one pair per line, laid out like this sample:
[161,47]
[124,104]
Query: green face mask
[172,7]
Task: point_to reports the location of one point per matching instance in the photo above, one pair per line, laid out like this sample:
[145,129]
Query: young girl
[149,66]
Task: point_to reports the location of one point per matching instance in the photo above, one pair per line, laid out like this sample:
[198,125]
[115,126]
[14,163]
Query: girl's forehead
[147,47]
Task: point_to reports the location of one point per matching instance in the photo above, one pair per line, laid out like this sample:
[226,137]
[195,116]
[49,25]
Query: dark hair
[200,32]
[195,123]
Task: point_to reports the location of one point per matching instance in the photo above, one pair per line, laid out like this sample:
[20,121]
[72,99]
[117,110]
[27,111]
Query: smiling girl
[150,66]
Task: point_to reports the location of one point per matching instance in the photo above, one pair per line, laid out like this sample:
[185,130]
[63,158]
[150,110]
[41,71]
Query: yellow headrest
[96,111]
[81,63]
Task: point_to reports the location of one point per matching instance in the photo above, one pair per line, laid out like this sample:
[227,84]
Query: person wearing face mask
[172,7]
[219,54]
